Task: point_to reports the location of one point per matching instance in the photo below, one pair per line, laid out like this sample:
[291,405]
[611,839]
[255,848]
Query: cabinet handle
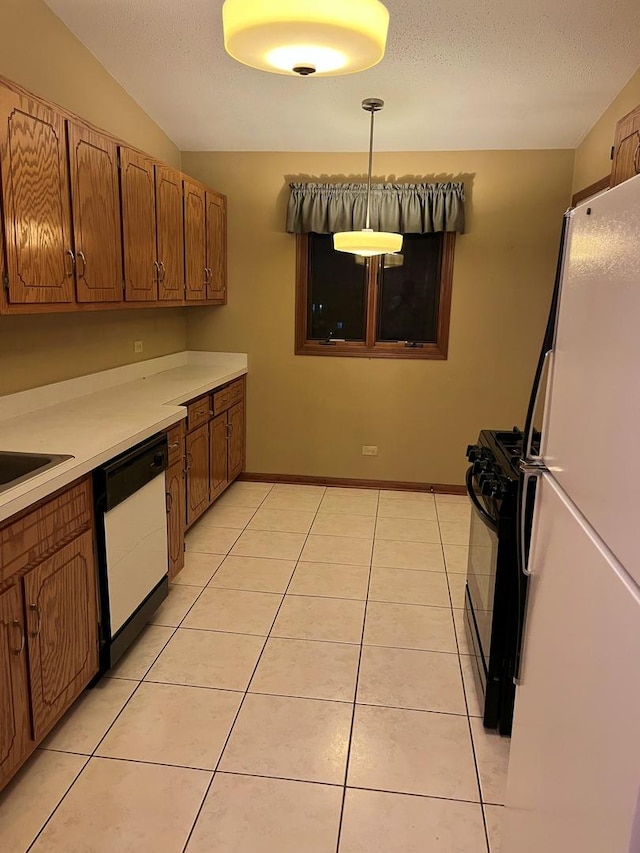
[189,458]
[206,276]
[19,650]
[163,271]
[35,609]
[175,444]
[227,431]
[169,501]
[73,262]
[84,264]
[636,156]
[157,275]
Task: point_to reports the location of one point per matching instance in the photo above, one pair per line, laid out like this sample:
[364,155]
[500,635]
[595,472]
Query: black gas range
[494,594]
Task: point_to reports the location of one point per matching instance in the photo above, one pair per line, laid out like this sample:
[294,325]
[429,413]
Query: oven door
[481,568]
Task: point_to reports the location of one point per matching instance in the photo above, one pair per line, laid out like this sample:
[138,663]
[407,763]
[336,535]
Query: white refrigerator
[574,774]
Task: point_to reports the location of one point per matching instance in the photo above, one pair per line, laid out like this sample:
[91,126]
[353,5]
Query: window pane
[337,292]
[408,295]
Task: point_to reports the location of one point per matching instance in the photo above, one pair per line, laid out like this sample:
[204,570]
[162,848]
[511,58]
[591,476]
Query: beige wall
[39,52]
[593,155]
[311,415]
[38,350]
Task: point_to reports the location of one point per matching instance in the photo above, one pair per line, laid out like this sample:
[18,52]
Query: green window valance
[402,208]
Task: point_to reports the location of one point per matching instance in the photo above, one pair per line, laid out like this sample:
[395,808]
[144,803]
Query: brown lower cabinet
[197,488]
[15,724]
[175,517]
[48,619]
[215,449]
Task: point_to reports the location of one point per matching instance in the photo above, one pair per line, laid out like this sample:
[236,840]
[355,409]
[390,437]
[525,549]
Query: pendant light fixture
[320,37]
[368,242]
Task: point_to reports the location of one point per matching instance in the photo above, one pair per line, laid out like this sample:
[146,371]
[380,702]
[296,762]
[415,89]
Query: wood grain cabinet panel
[62,624]
[95,200]
[138,226]
[176,518]
[170,233]
[236,421]
[37,212]
[218,448]
[197,450]
[626,152]
[216,248]
[195,247]
[15,719]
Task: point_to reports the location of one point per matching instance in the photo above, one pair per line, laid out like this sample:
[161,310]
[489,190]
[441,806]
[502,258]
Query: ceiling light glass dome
[319,37]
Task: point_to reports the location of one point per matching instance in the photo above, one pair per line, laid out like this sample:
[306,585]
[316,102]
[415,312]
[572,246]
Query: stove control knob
[474,452]
[489,485]
[481,466]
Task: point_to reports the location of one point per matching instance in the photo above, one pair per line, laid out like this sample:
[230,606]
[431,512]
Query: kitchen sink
[17,467]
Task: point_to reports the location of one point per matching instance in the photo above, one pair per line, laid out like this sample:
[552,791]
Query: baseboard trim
[396,485]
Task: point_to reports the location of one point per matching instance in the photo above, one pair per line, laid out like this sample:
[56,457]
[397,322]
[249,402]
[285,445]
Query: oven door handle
[489,520]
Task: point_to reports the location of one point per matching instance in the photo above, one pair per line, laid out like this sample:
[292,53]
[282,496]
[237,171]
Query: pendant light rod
[366,243]
[371,105]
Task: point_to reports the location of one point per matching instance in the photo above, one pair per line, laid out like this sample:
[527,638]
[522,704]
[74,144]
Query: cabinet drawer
[175,444]
[228,396]
[199,412]
[32,537]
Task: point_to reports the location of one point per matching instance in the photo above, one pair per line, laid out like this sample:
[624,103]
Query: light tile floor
[306,688]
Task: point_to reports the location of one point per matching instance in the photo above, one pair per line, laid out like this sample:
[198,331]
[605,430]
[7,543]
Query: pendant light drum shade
[367,243]
[320,37]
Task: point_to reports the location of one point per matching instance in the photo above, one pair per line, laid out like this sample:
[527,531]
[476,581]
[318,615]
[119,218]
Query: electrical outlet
[369,450]
[138,347]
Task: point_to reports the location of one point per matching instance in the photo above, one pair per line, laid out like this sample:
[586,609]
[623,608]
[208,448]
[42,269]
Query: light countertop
[96,417]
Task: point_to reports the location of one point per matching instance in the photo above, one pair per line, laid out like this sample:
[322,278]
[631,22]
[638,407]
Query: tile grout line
[466,702]
[355,695]
[246,691]
[92,754]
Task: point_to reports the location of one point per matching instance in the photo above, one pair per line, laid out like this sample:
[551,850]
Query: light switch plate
[138,347]
[369,450]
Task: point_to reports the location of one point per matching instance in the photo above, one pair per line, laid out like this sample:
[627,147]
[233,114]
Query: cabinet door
[195,250]
[219,440]
[236,439]
[197,446]
[62,628]
[138,226]
[95,200]
[216,248]
[626,156]
[35,194]
[175,517]
[170,224]
[15,723]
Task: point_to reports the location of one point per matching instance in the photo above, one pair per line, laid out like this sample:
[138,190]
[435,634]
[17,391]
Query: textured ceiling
[460,74]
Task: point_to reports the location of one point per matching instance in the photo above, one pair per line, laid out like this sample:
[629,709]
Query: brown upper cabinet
[95,200]
[216,247]
[170,234]
[91,223]
[141,269]
[626,151]
[205,214]
[37,213]
[195,245]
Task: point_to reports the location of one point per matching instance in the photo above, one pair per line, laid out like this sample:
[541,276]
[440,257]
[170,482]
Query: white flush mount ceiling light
[368,242]
[319,37]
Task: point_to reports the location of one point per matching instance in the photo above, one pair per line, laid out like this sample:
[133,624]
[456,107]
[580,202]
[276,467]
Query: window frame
[369,348]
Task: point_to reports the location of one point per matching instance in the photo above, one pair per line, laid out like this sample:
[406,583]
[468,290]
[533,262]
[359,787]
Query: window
[392,306]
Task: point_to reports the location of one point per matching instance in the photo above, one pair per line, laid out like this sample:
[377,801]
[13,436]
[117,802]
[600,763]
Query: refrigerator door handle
[545,372]
[530,472]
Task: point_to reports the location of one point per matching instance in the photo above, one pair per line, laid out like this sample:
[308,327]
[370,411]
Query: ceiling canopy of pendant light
[319,37]
[368,242]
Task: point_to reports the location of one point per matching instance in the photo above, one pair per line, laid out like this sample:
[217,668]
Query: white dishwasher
[131,524]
